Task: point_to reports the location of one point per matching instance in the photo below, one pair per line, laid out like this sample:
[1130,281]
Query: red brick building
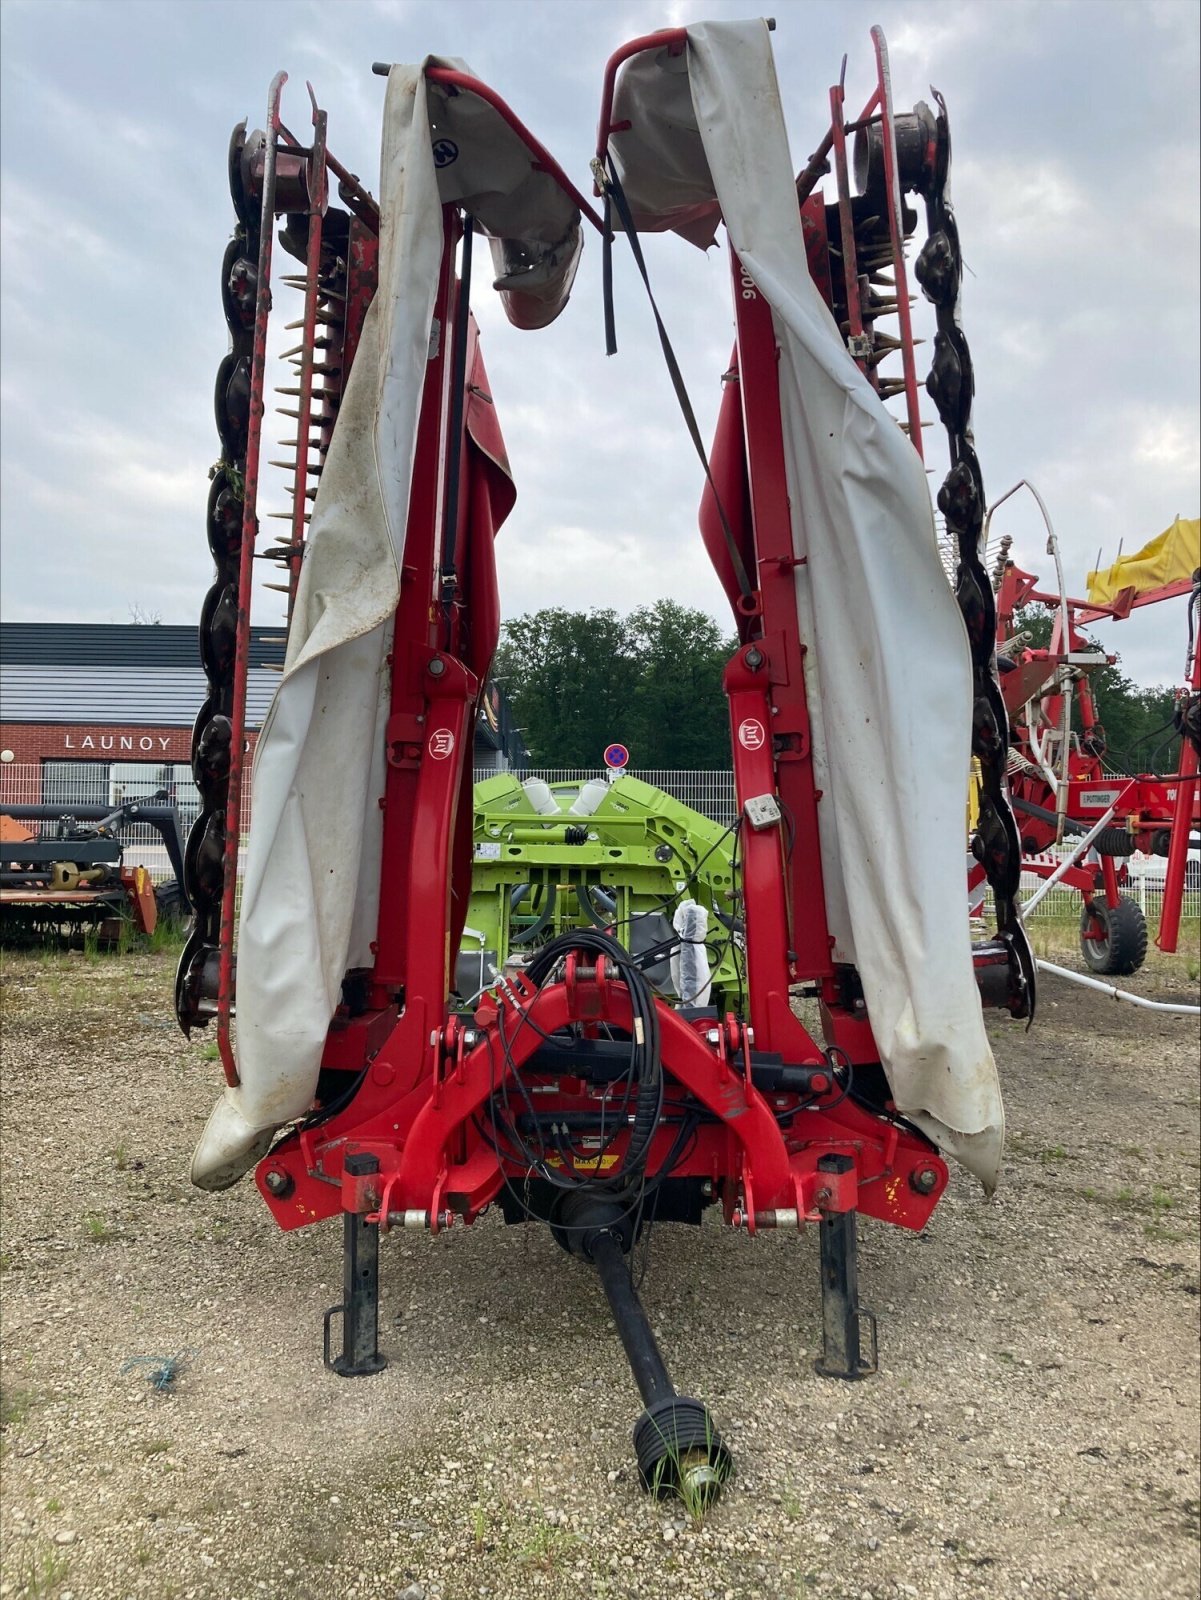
[99,712]
[104,711]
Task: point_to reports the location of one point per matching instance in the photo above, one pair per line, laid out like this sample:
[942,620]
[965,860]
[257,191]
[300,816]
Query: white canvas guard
[888,673]
[310,894]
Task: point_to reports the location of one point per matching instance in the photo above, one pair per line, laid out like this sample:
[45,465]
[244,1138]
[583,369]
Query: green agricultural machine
[617,854]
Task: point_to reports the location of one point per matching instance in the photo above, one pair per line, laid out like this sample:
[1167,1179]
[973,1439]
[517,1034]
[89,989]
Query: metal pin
[321,316]
[297,350]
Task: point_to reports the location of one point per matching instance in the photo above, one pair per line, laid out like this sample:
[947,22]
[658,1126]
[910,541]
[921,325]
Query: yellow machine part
[66,875]
[1171,558]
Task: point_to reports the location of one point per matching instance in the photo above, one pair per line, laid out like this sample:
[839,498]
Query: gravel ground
[1033,1429]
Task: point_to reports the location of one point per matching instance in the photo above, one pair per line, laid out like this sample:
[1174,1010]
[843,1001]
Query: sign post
[617,758]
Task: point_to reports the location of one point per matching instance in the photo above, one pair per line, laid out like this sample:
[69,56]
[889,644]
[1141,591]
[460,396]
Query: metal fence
[67,783]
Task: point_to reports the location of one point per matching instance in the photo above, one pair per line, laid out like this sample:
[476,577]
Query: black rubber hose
[1109,842]
[598,919]
[649,1104]
[543,922]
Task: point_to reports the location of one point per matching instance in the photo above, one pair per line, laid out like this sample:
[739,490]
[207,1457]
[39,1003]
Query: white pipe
[1041,759]
[1118,994]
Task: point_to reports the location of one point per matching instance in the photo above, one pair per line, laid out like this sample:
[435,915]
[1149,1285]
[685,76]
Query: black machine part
[359,1307]
[1113,939]
[81,844]
[679,1450]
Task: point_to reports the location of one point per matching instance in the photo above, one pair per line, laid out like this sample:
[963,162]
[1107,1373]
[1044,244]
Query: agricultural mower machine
[1064,781]
[588,1085]
[67,876]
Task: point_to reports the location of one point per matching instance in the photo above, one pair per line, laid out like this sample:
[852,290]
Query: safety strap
[615,196]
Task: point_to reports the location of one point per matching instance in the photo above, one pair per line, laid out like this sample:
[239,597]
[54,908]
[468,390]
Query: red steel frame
[425,1074]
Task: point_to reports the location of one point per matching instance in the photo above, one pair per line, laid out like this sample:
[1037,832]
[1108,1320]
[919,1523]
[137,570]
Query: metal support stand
[678,1447]
[842,1355]
[359,1309]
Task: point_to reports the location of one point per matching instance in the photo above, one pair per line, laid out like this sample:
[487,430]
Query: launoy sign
[750,734]
[442,743]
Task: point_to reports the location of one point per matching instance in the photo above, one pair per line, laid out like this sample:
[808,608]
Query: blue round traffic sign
[616,755]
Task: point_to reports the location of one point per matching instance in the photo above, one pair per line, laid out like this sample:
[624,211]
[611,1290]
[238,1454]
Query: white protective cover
[888,676]
[310,895]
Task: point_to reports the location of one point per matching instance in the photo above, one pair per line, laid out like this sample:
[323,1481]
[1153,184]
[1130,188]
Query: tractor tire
[169,901]
[1113,939]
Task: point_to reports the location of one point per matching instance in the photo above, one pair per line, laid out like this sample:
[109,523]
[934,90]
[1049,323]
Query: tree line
[581,680]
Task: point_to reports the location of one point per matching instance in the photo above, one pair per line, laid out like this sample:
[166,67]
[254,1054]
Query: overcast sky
[1075,177]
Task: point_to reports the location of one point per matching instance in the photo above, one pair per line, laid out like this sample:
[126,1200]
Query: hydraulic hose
[543,922]
[603,917]
[1111,842]
[648,1062]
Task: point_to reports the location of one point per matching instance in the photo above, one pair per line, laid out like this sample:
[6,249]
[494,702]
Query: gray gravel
[1033,1429]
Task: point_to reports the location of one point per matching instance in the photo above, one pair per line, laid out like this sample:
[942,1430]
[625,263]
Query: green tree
[570,677]
[578,680]
[680,719]
[1137,721]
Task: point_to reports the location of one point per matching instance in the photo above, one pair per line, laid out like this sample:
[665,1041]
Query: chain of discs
[997,844]
[204,857]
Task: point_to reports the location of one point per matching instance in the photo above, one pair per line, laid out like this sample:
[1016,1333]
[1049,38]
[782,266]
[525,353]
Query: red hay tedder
[1064,782]
[570,1092]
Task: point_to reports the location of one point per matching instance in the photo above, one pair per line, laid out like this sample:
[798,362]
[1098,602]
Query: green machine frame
[621,859]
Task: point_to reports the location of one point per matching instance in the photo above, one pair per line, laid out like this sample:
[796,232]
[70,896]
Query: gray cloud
[1076,174]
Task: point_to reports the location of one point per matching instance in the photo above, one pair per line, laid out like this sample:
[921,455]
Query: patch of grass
[95,1229]
[143,1555]
[1125,1196]
[54,1504]
[791,1506]
[120,1158]
[479,1527]
[1055,1152]
[168,935]
[217,1231]
[1161,1200]
[6,1260]
[697,1489]
[45,1573]
[15,1405]
[547,1546]
[1157,1231]
[156,1447]
[210,1053]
